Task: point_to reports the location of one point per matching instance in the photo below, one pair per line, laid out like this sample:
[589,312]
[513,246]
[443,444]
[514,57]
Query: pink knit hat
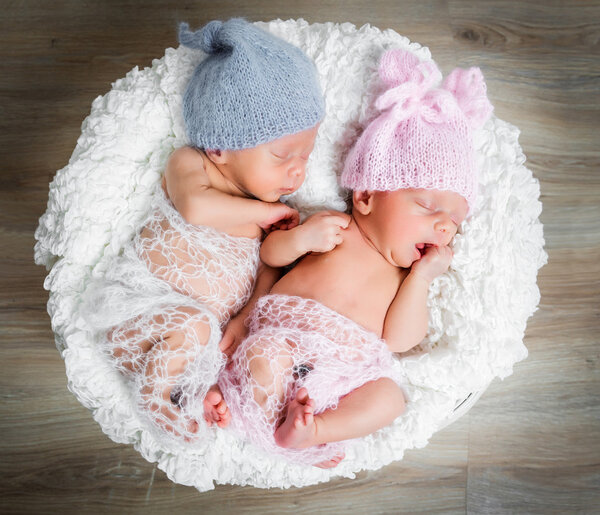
[423,137]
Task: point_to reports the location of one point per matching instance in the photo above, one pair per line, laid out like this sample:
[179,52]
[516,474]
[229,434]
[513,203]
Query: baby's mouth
[422,248]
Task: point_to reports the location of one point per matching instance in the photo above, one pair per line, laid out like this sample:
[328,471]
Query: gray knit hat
[252,88]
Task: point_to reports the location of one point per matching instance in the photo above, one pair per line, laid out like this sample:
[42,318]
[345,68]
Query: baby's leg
[256,385]
[363,411]
[270,368]
[159,349]
[130,341]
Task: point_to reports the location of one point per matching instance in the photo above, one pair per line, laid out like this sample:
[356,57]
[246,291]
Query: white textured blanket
[478,310]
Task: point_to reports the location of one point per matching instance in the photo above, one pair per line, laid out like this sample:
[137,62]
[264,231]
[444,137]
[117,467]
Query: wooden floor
[531,444]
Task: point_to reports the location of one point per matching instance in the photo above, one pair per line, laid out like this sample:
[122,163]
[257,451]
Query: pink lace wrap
[292,343]
[160,307]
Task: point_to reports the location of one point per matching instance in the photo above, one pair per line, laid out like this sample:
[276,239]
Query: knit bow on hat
[423,136]
[406,95]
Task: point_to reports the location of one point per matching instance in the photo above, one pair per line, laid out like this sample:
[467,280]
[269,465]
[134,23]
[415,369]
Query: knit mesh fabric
[162,306]
[421,155]
[423,137]
[295,342]
[251,89]
[201,262]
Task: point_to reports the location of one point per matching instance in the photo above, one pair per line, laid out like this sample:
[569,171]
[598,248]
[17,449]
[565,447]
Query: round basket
[478,310]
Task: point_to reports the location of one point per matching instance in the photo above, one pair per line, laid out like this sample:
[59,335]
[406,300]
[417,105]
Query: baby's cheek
[405,233]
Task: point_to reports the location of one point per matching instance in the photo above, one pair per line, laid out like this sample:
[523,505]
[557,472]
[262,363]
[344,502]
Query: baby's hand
[322,231]
[233,335]
[279,217]
[435,262]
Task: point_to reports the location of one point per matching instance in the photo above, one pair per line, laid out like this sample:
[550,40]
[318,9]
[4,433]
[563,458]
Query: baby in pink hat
[316,368]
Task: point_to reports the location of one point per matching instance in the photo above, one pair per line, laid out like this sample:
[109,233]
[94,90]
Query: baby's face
[408,221]
[275,168]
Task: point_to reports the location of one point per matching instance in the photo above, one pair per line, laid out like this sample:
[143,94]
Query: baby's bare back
[349,279]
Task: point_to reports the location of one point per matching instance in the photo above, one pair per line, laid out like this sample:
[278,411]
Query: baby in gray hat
[252,110]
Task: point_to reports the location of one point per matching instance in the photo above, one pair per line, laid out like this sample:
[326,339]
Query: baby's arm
[189,188]
[236,329]
[320,232]
[407,318]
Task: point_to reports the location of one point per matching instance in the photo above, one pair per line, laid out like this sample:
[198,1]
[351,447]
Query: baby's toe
[212,397]
[225,419]
[193,427]
[302,395]
[298,422]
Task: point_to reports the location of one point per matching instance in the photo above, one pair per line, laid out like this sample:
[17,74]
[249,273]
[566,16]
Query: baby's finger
[340,219]
[293,220]
[226,341]
[269,229]
[346,220]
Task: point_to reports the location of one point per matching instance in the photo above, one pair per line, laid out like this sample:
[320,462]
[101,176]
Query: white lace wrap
[174,279]
[478,310]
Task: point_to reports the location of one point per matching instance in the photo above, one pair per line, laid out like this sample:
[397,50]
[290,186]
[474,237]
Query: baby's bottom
[171,257]
[199,262]
[173,357]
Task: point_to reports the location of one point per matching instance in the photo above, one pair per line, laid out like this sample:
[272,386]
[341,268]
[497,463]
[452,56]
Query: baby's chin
[276,195]
[400,261]
[268,197]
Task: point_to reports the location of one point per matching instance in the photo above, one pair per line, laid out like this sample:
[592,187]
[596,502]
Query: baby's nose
[296,169]
[445,231]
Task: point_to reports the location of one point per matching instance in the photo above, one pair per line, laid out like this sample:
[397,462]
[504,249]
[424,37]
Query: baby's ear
[217,156]
[362,201]
[469,89]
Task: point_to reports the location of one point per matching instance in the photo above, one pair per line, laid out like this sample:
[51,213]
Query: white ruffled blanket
[478,310]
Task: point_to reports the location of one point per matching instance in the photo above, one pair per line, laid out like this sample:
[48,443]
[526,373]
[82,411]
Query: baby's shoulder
[185,161]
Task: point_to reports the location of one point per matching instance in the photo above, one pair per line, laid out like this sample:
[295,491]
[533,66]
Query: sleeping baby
[316,368]
[251,110]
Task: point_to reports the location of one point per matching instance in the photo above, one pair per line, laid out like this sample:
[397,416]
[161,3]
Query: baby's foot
[333,462]
[215,408]
[298,430]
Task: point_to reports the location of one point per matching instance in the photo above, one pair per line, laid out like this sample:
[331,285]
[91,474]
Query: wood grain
[530,445]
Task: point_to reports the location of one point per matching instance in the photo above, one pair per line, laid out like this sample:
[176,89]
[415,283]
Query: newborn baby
[163,304]
[317,368]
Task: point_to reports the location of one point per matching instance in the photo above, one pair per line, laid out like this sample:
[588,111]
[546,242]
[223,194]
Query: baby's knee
[196,326]
[185,331]
[259,368]
[127,357]
[392,396]
[269,371]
